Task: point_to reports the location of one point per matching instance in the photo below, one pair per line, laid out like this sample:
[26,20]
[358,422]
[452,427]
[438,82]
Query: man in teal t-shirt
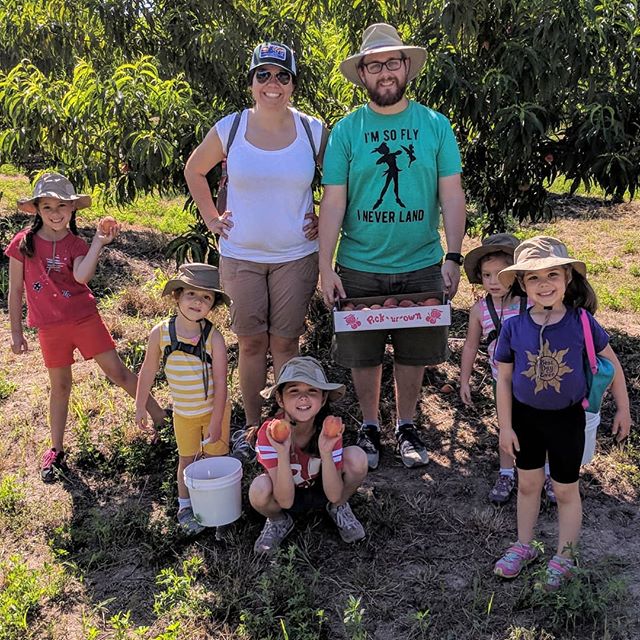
[391,167]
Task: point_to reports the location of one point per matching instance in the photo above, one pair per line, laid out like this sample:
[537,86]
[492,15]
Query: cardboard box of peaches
[400,311]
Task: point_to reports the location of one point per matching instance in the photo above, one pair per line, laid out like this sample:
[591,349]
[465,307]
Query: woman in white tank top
[268,235]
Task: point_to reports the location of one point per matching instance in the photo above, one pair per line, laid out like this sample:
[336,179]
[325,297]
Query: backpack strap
[197,350]
[232,133]
[494,316]
[588,341]
[307,128]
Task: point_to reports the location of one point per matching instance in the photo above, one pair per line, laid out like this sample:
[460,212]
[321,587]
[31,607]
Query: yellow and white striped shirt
[184,375]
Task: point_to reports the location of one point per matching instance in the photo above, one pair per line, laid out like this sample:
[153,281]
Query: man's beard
[387,96]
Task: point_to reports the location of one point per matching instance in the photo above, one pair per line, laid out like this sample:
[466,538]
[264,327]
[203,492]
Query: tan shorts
[271,298]
[191,431]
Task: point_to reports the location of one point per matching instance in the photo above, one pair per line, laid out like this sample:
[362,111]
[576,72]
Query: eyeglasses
[393,64]
[283,77]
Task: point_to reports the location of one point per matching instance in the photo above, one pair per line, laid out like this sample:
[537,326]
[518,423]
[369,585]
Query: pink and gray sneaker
[514,560]
[559,571]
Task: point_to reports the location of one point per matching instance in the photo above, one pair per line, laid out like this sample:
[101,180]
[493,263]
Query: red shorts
[89,335]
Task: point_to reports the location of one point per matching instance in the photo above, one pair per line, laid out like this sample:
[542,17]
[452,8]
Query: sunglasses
[283,77]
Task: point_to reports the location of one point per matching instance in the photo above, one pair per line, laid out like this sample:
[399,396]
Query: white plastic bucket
[214,488]
[592,420]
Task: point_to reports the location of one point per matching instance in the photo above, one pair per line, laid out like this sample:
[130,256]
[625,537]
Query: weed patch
[22,592]
[282,603]
[7,387]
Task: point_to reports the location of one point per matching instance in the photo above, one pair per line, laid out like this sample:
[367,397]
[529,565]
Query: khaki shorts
[271,298]
[411,347]
[191,431]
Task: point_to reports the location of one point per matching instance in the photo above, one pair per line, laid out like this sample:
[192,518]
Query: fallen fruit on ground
[332,426]
[447,388]
[280,430]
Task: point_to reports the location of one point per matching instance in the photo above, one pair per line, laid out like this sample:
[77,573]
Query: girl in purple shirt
[540,388]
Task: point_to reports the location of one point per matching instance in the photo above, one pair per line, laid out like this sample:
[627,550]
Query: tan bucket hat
[541,252]
[491,244]
[381,38]
[54,185]
[197,275]
[308,370]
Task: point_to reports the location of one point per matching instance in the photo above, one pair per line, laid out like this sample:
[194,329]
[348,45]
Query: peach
[107,224]
[431,302]
[360,307]
[347,307]
[280,430]
[332,426]
[406,303]
[390,302]
[376,306]
[446,388]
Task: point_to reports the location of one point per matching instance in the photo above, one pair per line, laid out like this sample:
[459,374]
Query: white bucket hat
[308,370]
[541,252]
[53,185]
[381,38]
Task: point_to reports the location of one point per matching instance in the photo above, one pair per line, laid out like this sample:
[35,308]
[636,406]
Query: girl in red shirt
[52,265]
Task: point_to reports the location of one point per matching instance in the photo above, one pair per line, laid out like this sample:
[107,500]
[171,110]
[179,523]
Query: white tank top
[268,194]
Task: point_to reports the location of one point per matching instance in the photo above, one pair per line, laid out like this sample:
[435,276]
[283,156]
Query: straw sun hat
[381,38]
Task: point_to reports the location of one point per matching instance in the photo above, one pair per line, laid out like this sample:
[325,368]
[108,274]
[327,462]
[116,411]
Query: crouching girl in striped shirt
[301,450]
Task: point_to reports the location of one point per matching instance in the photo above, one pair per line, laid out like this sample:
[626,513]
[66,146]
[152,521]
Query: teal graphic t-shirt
[391,165]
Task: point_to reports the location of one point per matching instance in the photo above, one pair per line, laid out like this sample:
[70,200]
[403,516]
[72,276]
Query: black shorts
[558,433]
[308,499]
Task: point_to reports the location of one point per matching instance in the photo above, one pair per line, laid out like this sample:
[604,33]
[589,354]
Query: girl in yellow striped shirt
[194,357]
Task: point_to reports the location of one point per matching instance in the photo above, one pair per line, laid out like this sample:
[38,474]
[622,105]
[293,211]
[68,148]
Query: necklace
[52,261]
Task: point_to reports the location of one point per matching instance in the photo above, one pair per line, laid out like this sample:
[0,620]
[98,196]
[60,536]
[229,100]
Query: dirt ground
[425,568]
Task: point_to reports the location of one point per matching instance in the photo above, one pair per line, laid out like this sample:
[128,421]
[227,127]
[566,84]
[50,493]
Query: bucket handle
[200,454]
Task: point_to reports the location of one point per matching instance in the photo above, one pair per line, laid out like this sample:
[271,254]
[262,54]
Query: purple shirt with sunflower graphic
[554,379]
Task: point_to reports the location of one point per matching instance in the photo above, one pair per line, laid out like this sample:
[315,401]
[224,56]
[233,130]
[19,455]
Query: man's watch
[458,258]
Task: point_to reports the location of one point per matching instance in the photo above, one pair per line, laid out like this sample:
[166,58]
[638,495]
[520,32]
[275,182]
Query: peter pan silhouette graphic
[388,158]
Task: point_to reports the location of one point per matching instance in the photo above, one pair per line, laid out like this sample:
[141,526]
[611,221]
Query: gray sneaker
[241,448]
[369,442]
[272,534]
[349,527]
[188,522]
[411,448]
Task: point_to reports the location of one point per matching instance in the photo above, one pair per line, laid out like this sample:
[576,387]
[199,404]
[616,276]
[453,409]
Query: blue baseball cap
[274,53]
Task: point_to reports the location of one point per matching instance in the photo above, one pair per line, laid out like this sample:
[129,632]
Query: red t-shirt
[305,468]
[53,294]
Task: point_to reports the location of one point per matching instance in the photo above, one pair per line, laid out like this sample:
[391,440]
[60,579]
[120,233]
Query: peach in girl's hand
[280,430]
[107,224]
[332,426]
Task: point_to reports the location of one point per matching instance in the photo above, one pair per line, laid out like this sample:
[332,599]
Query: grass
[99,556]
